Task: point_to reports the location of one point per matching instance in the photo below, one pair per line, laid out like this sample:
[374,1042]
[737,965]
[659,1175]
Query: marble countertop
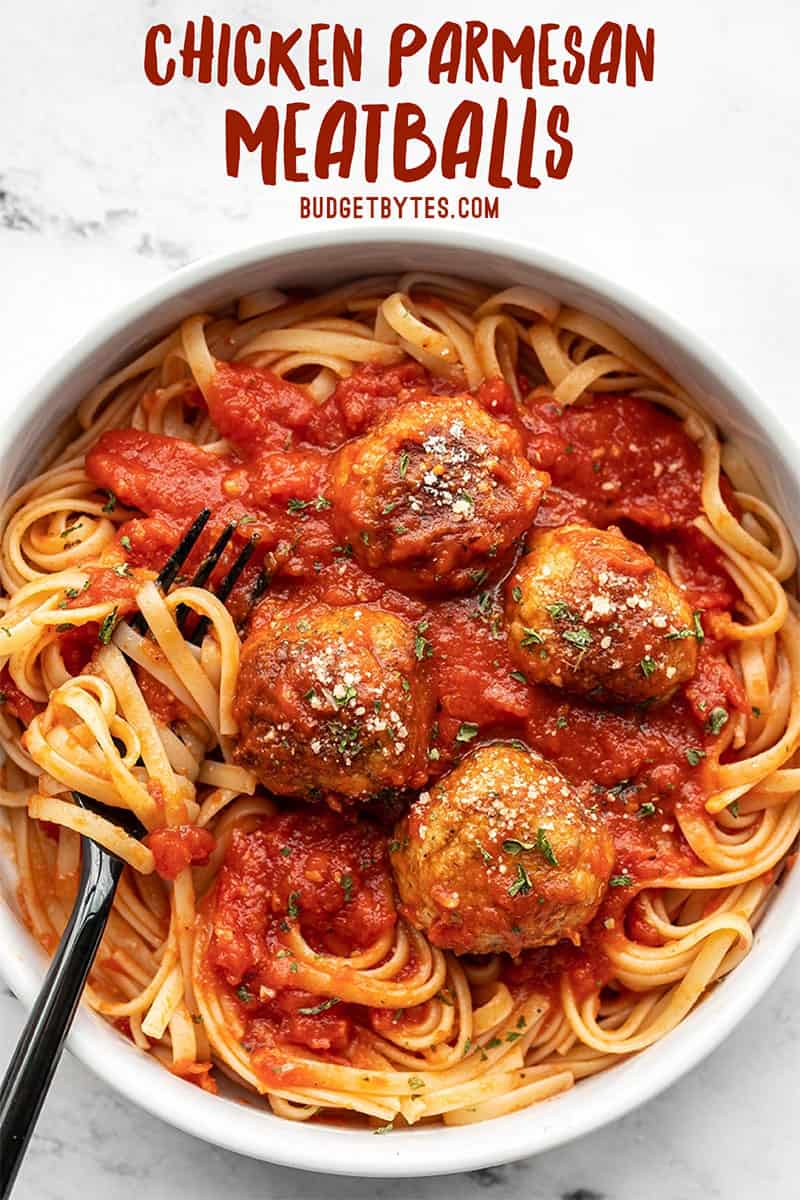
[686,191]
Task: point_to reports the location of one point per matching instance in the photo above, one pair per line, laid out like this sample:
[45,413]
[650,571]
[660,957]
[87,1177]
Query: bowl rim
[432,1150]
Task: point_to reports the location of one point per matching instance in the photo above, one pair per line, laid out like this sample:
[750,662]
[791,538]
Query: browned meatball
[501,855]
[333,701]
[433,496]
[589,611]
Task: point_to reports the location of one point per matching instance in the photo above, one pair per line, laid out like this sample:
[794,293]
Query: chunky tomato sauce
[326,874]
[179,847]
[615,460]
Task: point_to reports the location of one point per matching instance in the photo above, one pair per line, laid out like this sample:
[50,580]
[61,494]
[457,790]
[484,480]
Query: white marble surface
[686,190]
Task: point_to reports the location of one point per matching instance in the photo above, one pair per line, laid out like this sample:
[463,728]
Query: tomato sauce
[615,460]
[15,701]
[326,873]
[179,847]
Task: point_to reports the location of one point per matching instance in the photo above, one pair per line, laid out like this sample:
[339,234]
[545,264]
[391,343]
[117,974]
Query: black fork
[39,1048]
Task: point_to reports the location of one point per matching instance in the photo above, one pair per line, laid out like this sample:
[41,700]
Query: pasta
[397,1028]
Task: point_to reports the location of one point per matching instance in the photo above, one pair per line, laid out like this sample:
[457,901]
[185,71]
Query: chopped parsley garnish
[247,520]
[403,463]
[70,529]
[384,1128]
[695,632]
[422,647]
[111,502]
[244,995]
[620,881]
[479,576]
[561,611]
[343,697]
[620,788]
[72,592]
[484,603]
[756,711]
[561,722]
[484,853]
[415,1083]
[323,1006]
[394,846]
[530,638]
[520,678]
[347,738]
[285,851]
[694,756]
[578,637]
[107,627]
[647,666]
[466,732]
[716,719]
[295,505]
[646,809]
[391,506]
[544,847]
[433,754]
[343,551]
[347,887]
[293,908]
[516,594]
[522,884]
[122,569]
[125,542]
[733,808]
[542,844]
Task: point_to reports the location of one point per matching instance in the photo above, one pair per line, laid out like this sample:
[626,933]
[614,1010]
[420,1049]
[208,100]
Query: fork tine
[166,576]
[263,580]
[204,571]
[225,588]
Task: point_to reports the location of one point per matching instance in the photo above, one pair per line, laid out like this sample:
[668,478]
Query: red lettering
[241,65]
[410,127]
[527,145]
[238,133]
[496,177]
[639,53]
[468,115]
[280,59]
[606,52]
[156,74]
[372,139]
[203,54]
[339,121]
[557,127]
[291,151]
[406,40]
[572,43]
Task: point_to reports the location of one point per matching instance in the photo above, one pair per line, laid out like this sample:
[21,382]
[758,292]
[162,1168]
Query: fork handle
[38,1051]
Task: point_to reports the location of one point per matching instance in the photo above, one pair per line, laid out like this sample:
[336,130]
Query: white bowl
[316,260]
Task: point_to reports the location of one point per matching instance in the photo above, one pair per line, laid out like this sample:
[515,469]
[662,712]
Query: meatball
[432,497]
[333,702]
[501,855]
[589,611]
